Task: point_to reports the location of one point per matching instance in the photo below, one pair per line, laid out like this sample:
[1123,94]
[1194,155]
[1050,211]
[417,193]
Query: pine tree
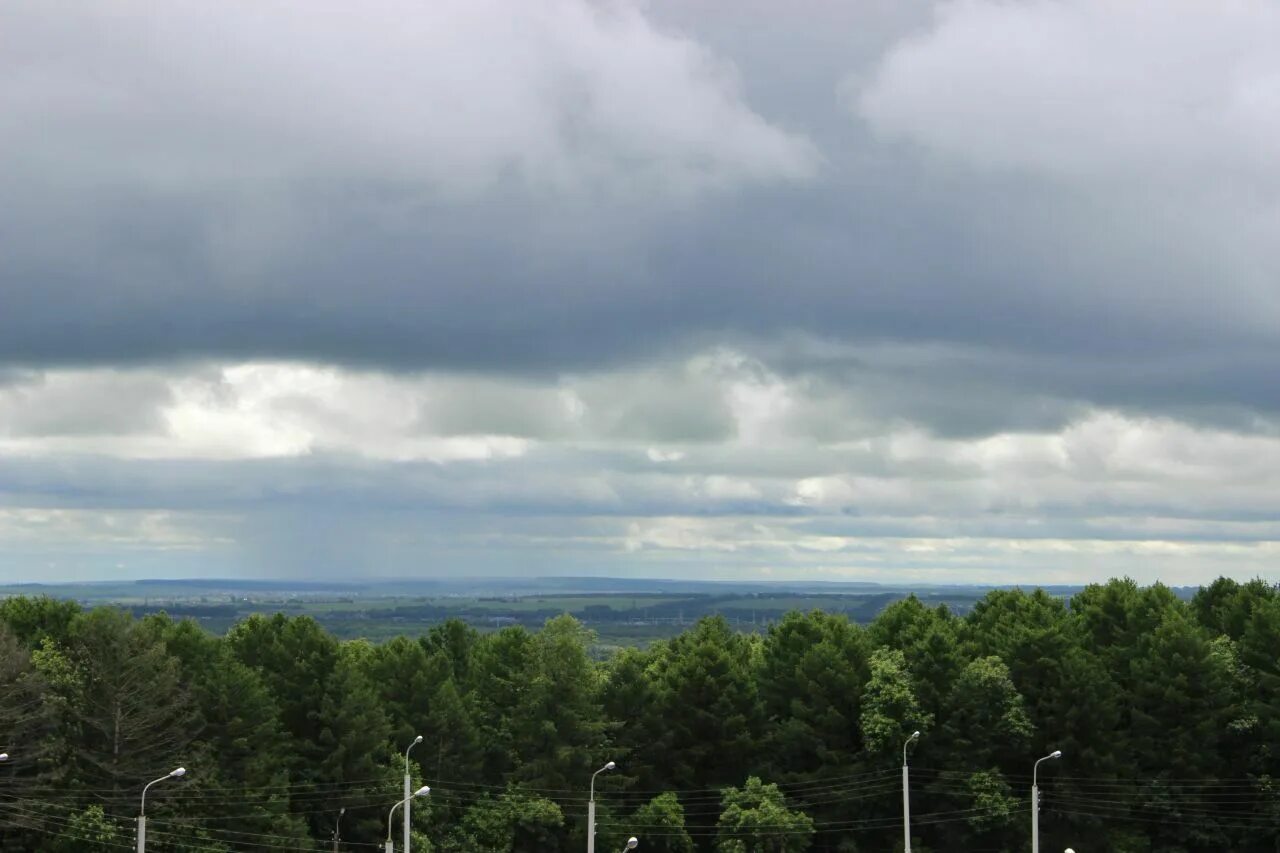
[558,726]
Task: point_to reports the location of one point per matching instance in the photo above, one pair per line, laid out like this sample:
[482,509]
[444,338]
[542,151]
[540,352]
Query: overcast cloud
[974,290]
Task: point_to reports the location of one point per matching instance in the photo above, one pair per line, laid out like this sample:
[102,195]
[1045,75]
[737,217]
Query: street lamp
[407,798]
[1035,802]
[906,795]
[176,773]
[421,792]
[591,809]
[4,756]
[632,842]
[337,828]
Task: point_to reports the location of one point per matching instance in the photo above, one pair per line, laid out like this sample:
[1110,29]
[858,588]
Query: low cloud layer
[965,290]
[222,461]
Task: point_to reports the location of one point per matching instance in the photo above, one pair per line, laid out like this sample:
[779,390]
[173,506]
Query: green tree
[405,677]
[813,669]
[558,725]
[1116,616]
[987,723]
[25,722]
[1181,707]
[991,805]
[930,641]
[1261,688]
[515,821]
[121,707]
[318,707]
[1049,658]
[661,822]
[890,710]
[23,716]
[354,740]
[1225,606]
[709,710]
[500,664]
[631,700]
[456,640]
[36,619]
[295,658]
[240,745]
[452,744]
[89,831]
[1166,711]
[755,819]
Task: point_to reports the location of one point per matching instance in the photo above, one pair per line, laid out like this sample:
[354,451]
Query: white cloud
[1126,148]
[453,95]
[720,488]
[1167,89]
[252,410]
[372,452]
[81,530]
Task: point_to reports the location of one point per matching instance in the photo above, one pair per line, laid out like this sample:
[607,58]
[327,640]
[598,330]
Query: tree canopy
[1167,713]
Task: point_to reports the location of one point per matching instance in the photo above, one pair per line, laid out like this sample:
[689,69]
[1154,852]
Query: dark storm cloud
[202,215]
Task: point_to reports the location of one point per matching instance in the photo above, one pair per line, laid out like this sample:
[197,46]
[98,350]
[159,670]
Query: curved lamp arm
[421,792]
[608,766]
[172,774]
[416,741]
[1057,753]
[914,737]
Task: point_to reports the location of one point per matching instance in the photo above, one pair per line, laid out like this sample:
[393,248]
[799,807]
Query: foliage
[756,820]
[890,710]
[89,831]
[992,804]
[514,821]
[661,821]
[1167,713]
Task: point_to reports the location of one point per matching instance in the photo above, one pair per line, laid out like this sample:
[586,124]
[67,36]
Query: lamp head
[423,791]
[1057,753]
[914,735]
[418,739]
[177,772]
[632,842]
[4,756]
[610,766]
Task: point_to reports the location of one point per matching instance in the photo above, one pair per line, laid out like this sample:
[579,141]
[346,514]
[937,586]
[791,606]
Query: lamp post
[906,795]
[591,809]
[337,827]
[407,804]
[1035,802]
[142,811]
[632,842]
[421,792]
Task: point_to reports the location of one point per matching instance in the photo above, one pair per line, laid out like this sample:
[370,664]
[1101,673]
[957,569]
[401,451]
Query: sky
[882,290]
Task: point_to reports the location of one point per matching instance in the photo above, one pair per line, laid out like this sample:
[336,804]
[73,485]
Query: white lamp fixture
[1035,801]
[407,804]
[591,808]
[176,773]
[421,792]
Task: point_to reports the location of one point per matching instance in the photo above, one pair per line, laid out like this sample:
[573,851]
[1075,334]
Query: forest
[1165,711]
